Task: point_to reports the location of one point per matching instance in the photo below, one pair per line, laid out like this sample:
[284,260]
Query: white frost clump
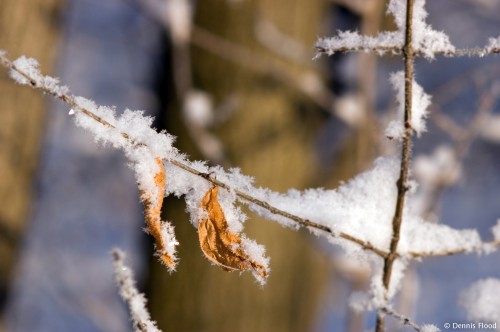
[418,236]
[493,44]
[424,39]
[482,300]
[420,103]
[141,145]
[129,293]
[168,235]
[363,207]
[429,328]
[496,231]
[346,40]
[440,168]
[31,68]
[377,297]
[256,252]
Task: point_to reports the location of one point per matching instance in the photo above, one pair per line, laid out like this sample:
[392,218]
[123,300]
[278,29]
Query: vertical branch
[405,160]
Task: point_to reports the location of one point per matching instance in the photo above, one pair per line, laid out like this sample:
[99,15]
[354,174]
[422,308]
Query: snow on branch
[426,41]
[128,291]
[420,103]
[356,215]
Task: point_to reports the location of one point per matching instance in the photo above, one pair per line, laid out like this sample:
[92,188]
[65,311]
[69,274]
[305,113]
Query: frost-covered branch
[36,80]
[408,322]
[128,291]
[426,41]
[344,216]
[260,200]
[402,183]
[328,47]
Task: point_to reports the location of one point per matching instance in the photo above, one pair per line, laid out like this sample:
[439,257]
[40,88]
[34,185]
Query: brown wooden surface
[28,27]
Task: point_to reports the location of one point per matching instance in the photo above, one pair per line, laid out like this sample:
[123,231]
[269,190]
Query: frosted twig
[70,100]
[402,183]
[404,320]
[135,300]
[396,50]
[244,197]
[491,244]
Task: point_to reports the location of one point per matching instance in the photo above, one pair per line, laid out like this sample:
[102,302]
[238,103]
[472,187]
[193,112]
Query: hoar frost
[496,231]
[425,40]
[136,301]
[440,168]
[420,103]
[493,44]
[28,67]
[362,208]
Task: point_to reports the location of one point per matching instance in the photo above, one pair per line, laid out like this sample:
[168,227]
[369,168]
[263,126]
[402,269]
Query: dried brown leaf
[152,211]
[219,245]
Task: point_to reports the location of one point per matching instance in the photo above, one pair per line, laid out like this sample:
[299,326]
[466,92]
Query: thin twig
[405,159]
[402,318]
[491,244]
[396,50]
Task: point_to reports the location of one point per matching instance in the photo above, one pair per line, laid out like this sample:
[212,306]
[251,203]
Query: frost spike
[155,226]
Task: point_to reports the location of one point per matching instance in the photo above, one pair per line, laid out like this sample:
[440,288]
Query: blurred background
[234,80]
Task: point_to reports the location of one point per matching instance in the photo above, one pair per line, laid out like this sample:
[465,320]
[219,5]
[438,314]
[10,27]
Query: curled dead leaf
[219,245]
[155,226]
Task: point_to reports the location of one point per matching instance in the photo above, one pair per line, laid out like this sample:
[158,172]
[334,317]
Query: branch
[491,244]
[70,100]
[402,183]
[405,320]
[244,197]
[135,300]
[477,51]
